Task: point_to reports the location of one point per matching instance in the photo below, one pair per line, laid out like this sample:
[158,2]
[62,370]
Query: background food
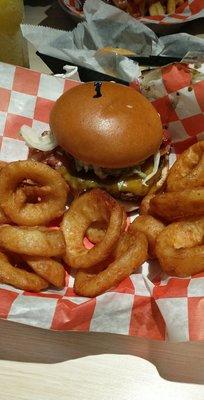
[140,8]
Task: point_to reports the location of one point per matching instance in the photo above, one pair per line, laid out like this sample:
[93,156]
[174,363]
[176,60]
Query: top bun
[117,130]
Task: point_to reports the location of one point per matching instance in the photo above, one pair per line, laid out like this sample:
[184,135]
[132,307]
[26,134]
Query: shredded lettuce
[155,168]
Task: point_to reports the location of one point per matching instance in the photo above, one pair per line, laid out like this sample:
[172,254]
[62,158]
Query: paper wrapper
[148,304]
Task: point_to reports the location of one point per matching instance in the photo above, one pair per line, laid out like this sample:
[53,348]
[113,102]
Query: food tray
[147,304]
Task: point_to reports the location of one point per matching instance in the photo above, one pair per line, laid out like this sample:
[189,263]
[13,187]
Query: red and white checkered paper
[188,11]
[148,304]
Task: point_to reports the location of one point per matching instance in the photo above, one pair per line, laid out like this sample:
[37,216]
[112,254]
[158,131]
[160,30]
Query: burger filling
[126,183]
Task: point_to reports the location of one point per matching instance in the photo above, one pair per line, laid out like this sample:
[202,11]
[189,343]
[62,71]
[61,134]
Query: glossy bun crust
[118,129]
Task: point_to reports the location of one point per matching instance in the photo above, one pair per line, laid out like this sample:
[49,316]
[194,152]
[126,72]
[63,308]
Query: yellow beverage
[13,48]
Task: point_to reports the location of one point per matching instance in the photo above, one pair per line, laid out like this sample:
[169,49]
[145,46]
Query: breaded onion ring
[13,200]
[92,206]
[33,192]
[49,269]
[145,204]
[178,205]
[180,248]
[38,241]
[97,230]
[188,170]
[3,217]
[130,253]
[3,164]
[151,228]
[20,278]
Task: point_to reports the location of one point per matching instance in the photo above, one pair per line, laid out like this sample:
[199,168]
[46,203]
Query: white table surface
[41,365]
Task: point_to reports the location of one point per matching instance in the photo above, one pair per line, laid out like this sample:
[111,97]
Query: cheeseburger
[105,135]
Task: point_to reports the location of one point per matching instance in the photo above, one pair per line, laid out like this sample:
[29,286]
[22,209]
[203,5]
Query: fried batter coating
[130,253]
[20,278]
[180,248]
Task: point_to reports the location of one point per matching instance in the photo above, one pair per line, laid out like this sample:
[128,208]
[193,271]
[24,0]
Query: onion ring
[51,270]
[97,230]
[32,241]
[33,192]
[20,278]
[188,170]
[155,189]
[130,253]
[180,248]
[151,228]
[3,217]
[14,201]
[3,164]
[145,204]
[178,205]
[95,205]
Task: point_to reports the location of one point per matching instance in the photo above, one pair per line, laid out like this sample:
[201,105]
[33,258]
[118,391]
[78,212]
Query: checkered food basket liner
[188,11]
[148,304]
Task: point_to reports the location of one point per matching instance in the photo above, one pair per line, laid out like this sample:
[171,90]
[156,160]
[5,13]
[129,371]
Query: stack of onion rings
[180,246]
[31,193]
